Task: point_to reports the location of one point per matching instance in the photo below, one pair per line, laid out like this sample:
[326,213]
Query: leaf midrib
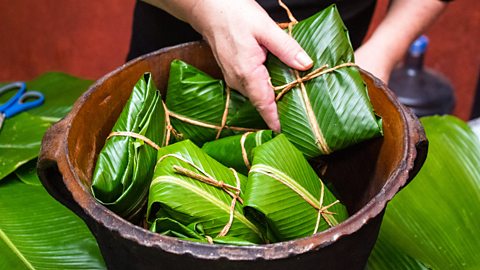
[15,250]
[20,146]
[215,201]
[286,180]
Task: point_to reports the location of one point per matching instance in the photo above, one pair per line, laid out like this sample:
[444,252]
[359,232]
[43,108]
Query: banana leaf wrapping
[330,108]
[236,151]
[194,197]
[286,196]
[125,165]
[197,106]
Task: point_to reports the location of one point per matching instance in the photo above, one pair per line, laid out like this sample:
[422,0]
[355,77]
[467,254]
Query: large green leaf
[37,232]
[285,194]
[195,95]
[203,208]
[28,173]
[335,107]
[229,150]
[435,220]
[125,164]
[22,134]
[60,91]
[20,140]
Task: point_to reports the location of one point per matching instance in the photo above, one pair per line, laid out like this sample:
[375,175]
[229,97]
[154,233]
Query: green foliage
[22,134]
[124,167]
[338,100]
[203,208]
[434,222]
[228,150]
[285,194]
[195,95]
[37,232]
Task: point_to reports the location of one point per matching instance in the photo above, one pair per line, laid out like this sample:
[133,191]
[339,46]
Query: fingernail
[304,59]
[276,127]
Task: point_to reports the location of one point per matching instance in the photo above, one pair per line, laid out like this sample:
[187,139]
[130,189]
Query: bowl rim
[102,215]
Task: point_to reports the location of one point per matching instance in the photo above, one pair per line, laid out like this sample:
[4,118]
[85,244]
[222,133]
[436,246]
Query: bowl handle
[51,155]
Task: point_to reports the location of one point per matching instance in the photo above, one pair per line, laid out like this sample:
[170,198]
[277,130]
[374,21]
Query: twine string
[244,151]
[232,191]
[223,125]
[227,227]
[323,211]
[225,113]
[300,81]
[134,135]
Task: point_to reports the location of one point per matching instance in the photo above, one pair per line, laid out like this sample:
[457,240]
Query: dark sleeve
[154,28]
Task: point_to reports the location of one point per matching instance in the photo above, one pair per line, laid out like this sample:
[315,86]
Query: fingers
[279,43]
[256,86]
[260,92]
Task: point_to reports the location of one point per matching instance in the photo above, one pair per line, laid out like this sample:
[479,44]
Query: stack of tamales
[225,179]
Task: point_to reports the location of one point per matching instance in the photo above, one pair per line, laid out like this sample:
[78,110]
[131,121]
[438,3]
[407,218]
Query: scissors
[22,101]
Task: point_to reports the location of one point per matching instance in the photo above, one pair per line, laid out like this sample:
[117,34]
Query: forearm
[404,22]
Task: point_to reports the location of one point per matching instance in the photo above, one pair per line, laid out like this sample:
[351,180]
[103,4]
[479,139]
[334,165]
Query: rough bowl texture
[366,177]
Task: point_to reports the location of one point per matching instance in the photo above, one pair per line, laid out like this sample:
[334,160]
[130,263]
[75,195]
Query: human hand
[240,33]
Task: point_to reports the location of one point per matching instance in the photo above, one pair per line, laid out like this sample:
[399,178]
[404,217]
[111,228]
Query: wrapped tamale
[202,109]
[326,108]
[193,196]
[125,165]
[286,196]
[236,151]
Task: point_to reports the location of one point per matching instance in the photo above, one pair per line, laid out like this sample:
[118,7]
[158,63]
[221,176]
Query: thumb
[282,45]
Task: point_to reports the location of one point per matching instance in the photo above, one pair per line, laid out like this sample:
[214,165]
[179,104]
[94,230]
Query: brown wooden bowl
[366,177]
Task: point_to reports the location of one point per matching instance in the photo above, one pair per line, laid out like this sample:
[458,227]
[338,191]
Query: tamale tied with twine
[327,108]
[124,166]
[193,189]
[285,194]
[203,109]
[236,151]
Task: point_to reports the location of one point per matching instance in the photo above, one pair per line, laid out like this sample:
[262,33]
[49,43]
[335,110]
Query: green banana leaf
[37,232]
[387,255]
[201,207]
[125,165]
[335,111]
[435,220]
[284,194]
[60,90]
[20,139]
[22,134]
[228,150]
[28,173]
[195,95]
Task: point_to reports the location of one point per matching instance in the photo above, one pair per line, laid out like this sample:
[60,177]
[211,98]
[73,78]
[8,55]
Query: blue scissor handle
[22,105]
[21,90]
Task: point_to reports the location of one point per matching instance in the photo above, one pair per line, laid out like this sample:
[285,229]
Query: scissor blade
[2,118]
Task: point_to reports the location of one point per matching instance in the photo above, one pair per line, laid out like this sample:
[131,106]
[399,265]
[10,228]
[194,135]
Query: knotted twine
[244,151]
[232,191]
[321,209]
[223,124]
[299,81]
